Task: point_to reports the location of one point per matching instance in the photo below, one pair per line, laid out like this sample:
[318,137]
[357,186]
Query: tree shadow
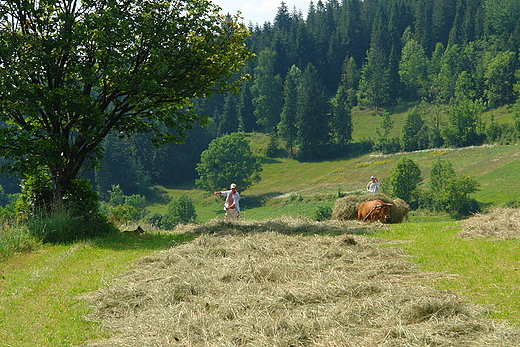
[267,160]
[149,240]
[252,201]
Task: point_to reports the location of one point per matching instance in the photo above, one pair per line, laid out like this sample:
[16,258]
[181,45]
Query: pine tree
[267,92]
[312,117]
[413,136]
[287,126]
[375,77]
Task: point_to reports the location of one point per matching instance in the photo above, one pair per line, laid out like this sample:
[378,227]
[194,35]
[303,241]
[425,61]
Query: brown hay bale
[346,208]
[500,223]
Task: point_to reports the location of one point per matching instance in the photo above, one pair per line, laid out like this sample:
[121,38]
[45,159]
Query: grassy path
[486,271]
[40,292]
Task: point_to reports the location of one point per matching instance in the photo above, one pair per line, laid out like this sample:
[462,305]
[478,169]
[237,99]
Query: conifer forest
[312,70]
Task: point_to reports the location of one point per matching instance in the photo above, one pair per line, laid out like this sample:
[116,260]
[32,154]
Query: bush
[63,225]
[323,213]
[179,210]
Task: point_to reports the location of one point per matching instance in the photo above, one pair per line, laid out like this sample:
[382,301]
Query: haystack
[346,208]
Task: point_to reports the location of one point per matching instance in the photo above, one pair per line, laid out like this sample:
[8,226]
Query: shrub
[450,192]
[403,180]
[63,225]
[323,213]
[179,210]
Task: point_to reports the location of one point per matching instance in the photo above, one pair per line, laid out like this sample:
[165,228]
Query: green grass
[40,292]
[494,167]
[484,270]
[16,239]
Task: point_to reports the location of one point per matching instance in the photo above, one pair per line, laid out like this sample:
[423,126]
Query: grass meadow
[279,278]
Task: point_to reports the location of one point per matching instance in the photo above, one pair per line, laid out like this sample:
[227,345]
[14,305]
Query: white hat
[373,177]
[233,185]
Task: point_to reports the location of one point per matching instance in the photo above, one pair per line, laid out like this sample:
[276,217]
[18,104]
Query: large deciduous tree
[72,71]
[228,159]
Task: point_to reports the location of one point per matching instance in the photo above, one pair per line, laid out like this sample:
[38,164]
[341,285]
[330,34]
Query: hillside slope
[492,166]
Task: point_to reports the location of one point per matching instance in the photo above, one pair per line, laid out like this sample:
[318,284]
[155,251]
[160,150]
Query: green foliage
[413,69]
[499,78]
[465,127]
[451,192]
[272,149]
[404,179]
[287,127]
[122,208]
[74,91]
[77,217]
[312,117]
[323,213]
[227,160]
[375,74]
[179,210]
[341,118]
[267,91]
[16,238]
[62,225]
[413,135]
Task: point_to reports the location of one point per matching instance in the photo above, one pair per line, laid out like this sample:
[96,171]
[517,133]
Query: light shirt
[373,187]
[236,196]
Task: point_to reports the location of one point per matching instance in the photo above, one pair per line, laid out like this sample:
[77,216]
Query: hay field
[499,224]
[245,284]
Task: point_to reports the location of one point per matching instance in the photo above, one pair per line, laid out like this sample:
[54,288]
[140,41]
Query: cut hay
[285,225]
[346,208]
[500,223]
[267,289]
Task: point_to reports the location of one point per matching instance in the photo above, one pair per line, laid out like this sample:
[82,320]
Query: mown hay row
[346,208]
[271,289]
[500,223]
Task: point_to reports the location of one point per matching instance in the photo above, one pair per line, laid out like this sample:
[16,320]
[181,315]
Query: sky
[260,11]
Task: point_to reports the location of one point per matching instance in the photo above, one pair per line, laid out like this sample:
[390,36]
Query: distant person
[373,185]
[231,206]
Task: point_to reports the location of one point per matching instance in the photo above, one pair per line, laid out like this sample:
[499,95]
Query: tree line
[312,69]
[455,57]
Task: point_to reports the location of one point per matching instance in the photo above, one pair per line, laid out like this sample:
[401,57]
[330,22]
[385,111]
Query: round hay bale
[346,208]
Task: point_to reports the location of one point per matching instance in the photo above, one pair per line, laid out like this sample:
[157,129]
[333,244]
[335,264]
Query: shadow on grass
[252,201]
[151,241]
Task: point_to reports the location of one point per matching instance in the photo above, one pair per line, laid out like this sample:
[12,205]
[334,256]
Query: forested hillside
[314,72]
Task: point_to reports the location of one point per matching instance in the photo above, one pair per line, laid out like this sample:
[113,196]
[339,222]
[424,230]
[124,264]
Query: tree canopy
[227,160]
[73,71]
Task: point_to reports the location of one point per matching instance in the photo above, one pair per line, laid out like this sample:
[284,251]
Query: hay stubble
[275,289]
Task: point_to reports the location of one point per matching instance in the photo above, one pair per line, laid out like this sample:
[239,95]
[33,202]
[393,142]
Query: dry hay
[285,225]
[271,289]
[500,223]
[346,208]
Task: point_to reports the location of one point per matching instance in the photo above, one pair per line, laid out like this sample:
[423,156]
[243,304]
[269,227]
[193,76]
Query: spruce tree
[267,92]
[312,117]
[287,126]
